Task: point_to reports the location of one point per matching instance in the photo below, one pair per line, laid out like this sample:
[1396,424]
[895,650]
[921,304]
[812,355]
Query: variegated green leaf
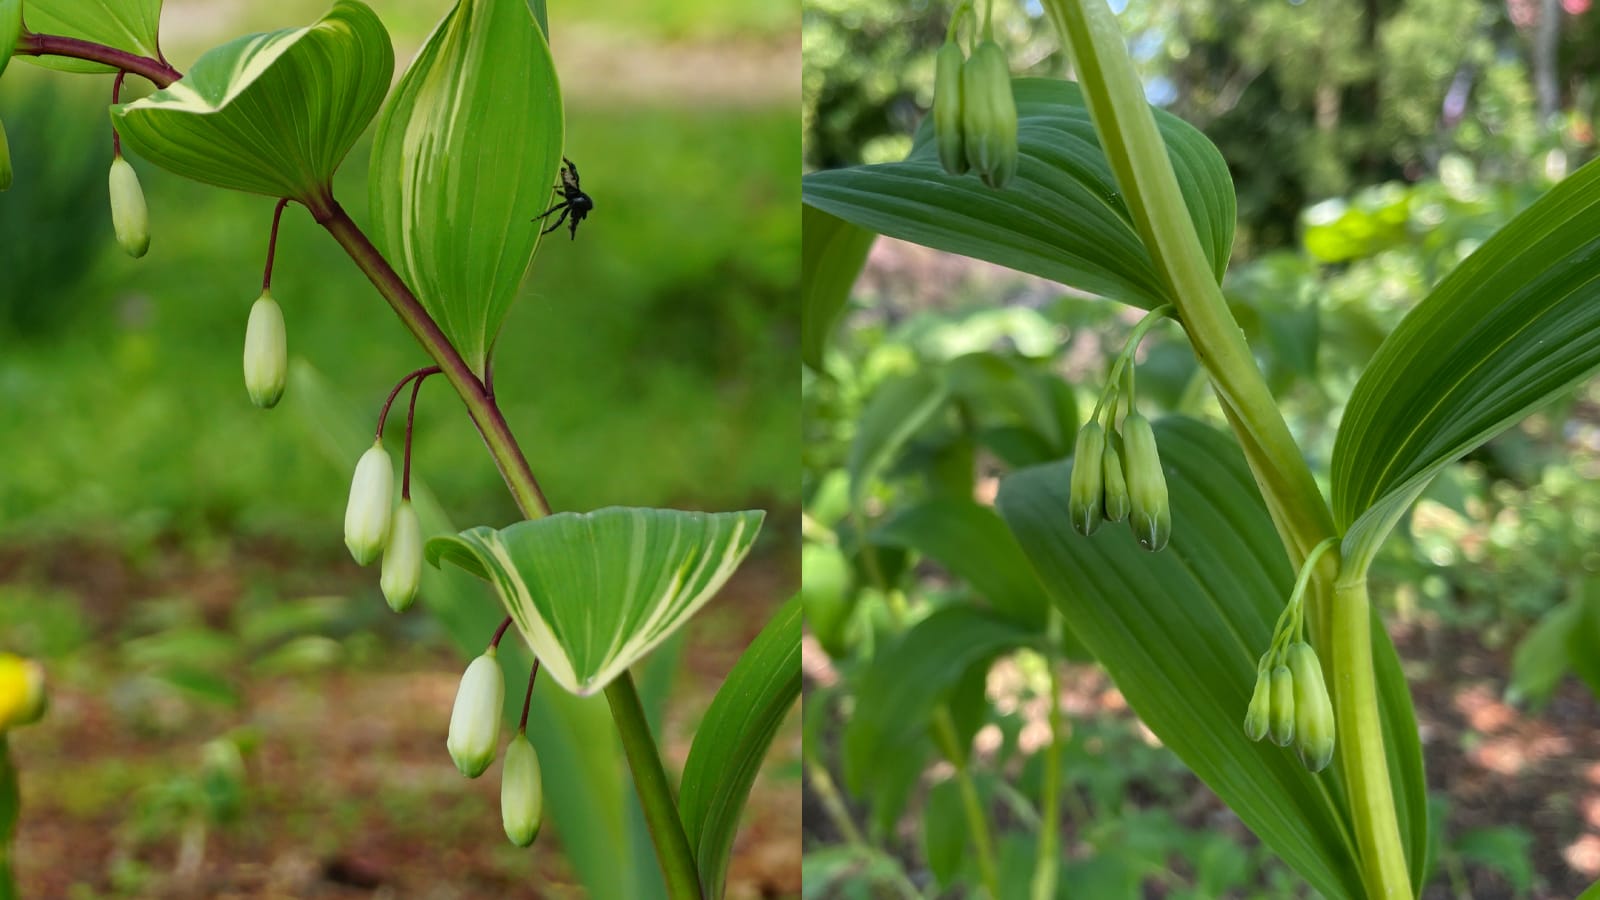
[10,30]
[593,592]
[467,153]
[270,113]
[130,25]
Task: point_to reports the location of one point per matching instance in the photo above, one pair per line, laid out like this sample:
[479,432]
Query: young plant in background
[22,702]
[1131,204]
[462,164]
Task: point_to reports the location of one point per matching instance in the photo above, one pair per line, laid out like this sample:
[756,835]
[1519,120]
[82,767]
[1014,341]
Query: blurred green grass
[649,362]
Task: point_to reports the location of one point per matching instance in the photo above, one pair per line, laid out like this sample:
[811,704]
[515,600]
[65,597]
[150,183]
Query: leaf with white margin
[466,155]
[271,113]
[131,25]
[594,592]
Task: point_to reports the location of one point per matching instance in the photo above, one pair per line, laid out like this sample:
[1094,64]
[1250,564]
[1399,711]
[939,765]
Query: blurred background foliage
[1374,145]
[173,555]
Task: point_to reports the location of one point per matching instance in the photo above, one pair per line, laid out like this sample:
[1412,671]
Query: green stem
[944,730]
[660,811]
[1132,344]
[1361,753]
[1144,173]
[833,804]
[1048,865]
[10,804]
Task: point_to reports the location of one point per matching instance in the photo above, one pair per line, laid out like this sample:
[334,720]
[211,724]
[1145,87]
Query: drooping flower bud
[402,559]
[1281,720]
[266,353]
[1151,517]
[1087,489]
[947,108]
[521,792]
[1313,711]
[1260,712]
[1117,503]
[5,160]
[475,720]
[367,515]
[22,696]
[989,114]
[129,216]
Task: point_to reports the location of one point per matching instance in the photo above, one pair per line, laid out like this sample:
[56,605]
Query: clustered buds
[975,112]
[266,352]
[1114,486]
[1290,703]
[129,215]
[367,515]
[475,720]
[402,558]
[22,696]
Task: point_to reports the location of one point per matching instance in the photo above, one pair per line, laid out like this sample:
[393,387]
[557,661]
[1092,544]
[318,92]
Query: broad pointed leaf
[131,25]
[1060,218]
[271,113]
[466,155]
[1515,325]
[1180,631]
[593,592]
[832,252]
[973,543]
[733,739]
[897,409]
[10,30]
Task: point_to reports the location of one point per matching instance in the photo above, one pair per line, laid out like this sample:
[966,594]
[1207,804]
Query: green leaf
[906,680]
[944,832]
[1180,632]
[130,25]
[974,544]
[593,592]
[1515,325]
[1542,658]
[733,739]
[10,30]
[271,113]
[827,595]
[1583,642]
[1504,849]
[466,155]
[1061,218]
[832,252]
[899,406]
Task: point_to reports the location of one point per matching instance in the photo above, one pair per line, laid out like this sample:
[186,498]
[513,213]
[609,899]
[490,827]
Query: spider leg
[559,206]
[559,220]
[572,168]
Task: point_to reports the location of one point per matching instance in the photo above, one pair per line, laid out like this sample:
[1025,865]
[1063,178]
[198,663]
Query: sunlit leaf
[466,155]
[732,741]
[593,592]
[1514,326]
[1180,631]
[1061,217]
[10,30]
[832,252]
[271,113]
[131,25]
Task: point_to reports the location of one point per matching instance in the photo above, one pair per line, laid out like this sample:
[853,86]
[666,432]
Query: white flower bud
[266,353]
[521,792]
[129,215]
[402,559]
[366,517]
[475,720]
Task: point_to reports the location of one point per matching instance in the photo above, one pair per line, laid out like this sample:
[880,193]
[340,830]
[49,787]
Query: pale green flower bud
[521,792]
[367,515]
[129,216]
[475,720]
[1151,517]
[1087,489]
[22,696]
[5,160]
[1313,711]
[947,108]
[1117,502]
[1281,720]
[1260,712]
[402,559]
[989,114]
[266,353]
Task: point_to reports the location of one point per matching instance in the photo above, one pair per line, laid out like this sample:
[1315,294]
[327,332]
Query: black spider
[573,200]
